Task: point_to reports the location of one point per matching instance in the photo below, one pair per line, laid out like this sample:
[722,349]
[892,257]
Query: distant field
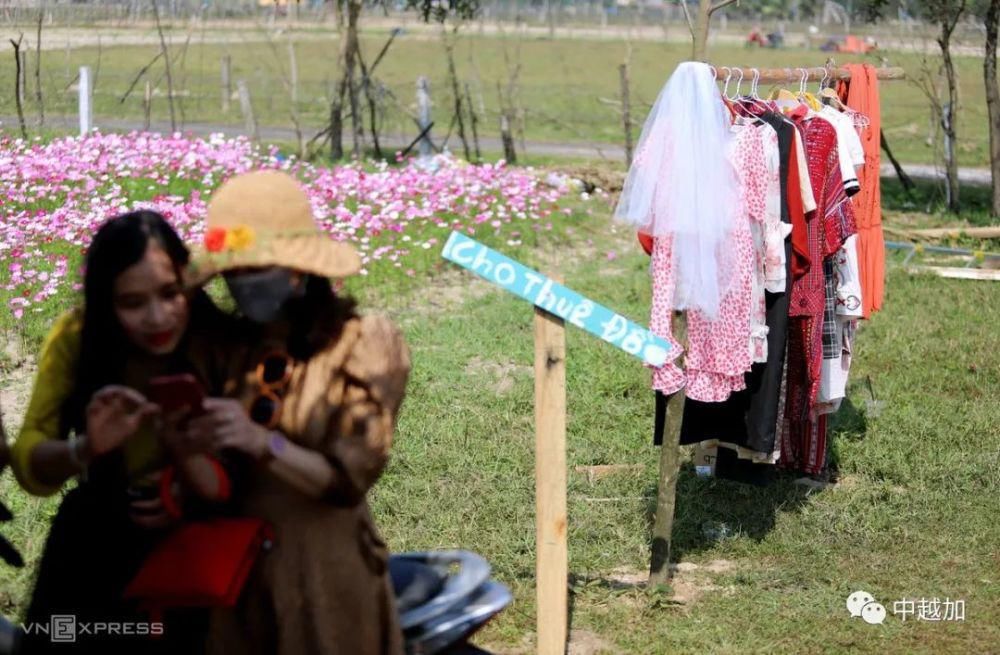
[567,86]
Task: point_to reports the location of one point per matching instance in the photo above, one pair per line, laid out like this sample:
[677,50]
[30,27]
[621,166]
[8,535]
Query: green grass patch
[914,513]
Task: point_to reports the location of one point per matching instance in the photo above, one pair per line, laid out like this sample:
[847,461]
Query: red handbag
[201,563]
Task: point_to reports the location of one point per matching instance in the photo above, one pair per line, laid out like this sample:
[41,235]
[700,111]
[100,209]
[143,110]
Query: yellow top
[43,420]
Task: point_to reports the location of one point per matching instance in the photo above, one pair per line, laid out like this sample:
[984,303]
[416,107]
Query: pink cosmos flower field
[56,194]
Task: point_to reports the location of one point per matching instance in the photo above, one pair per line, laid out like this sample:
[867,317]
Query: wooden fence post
[227,83]
[22,83]
[147,103]
[552,562]
[424,114]
[293,71]
[86,119]
[247,108]
[626,113]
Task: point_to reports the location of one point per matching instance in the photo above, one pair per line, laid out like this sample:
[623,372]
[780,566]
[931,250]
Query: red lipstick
[160,339]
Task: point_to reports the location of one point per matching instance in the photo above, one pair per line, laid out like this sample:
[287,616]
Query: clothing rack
[662,533]
[813,74]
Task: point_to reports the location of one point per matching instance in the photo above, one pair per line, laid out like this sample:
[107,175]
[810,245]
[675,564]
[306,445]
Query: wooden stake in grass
[552,564]
[424,114]
[18,81]
[247,108]
[147,104]
[85,101]
[663,523]
[227,83]
[626,112]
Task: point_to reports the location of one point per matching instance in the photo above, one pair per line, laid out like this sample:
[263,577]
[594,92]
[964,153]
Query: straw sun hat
[263,219]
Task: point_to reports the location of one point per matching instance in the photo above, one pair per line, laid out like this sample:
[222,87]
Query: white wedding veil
[682,184]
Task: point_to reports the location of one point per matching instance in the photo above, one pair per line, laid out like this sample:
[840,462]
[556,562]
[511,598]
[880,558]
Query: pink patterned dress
[717,354]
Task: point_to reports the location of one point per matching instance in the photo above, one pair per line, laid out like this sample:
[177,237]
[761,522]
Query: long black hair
[118,245]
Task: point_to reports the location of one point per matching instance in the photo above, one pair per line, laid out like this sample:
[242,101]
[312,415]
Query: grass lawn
[765,569]
[565,85]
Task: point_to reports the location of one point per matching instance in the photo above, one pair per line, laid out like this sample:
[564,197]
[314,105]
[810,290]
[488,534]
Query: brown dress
[324,586]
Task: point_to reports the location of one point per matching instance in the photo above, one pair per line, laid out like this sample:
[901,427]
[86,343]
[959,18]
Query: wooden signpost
[554,305]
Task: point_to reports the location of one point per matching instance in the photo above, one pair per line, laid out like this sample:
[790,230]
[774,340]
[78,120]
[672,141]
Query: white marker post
[86,119]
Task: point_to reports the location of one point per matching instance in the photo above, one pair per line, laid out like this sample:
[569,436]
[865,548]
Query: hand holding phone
[174,393]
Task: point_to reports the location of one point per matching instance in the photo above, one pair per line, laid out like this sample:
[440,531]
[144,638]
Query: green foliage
[934,11]
[441,10]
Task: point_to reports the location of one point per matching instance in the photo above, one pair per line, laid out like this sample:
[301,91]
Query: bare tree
[449,49]
[345,86]
[38,67]
[18,82]
[706,8]
[992,18]
[947,14]
[289,82]
[166,62]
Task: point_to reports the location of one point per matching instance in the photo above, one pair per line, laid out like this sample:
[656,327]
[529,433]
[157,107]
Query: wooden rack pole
[814,73]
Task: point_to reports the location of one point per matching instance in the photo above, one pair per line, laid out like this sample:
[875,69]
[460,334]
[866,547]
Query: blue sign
[556,299]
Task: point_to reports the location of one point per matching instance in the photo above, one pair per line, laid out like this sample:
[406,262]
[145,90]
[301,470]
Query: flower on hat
[240,238]
[234,239]
[215,239]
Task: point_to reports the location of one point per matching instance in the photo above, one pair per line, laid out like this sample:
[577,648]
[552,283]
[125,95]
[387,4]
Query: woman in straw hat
[312,395]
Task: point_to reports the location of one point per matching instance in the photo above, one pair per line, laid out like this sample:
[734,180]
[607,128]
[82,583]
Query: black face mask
[261,295]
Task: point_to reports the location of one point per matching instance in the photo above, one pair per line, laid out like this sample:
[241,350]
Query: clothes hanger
[811,99]
[725,88]
[785,99]
[833,99]
[755,91]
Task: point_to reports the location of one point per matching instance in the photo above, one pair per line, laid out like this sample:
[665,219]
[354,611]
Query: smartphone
[176,392]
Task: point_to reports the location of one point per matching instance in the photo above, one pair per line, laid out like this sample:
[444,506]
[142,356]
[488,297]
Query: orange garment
[860,93]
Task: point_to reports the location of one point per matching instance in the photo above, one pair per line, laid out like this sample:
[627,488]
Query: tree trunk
[38,69]
[345,87]
[993,98]
[449,50]
[700,49]
[948,116]
[18,81]
[166,63]
[700,35]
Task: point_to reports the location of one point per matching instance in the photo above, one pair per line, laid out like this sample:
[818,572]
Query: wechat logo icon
[863,604]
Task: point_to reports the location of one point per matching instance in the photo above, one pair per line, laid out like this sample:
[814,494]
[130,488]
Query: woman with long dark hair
[89,417]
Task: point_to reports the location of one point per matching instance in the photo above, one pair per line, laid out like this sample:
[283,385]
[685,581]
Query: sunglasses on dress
[273,373]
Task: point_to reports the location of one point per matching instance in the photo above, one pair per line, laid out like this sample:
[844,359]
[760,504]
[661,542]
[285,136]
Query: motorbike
[443,599]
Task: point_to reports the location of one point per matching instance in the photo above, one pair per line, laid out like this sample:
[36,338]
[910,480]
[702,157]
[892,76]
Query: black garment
[749,418]
[92,552]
